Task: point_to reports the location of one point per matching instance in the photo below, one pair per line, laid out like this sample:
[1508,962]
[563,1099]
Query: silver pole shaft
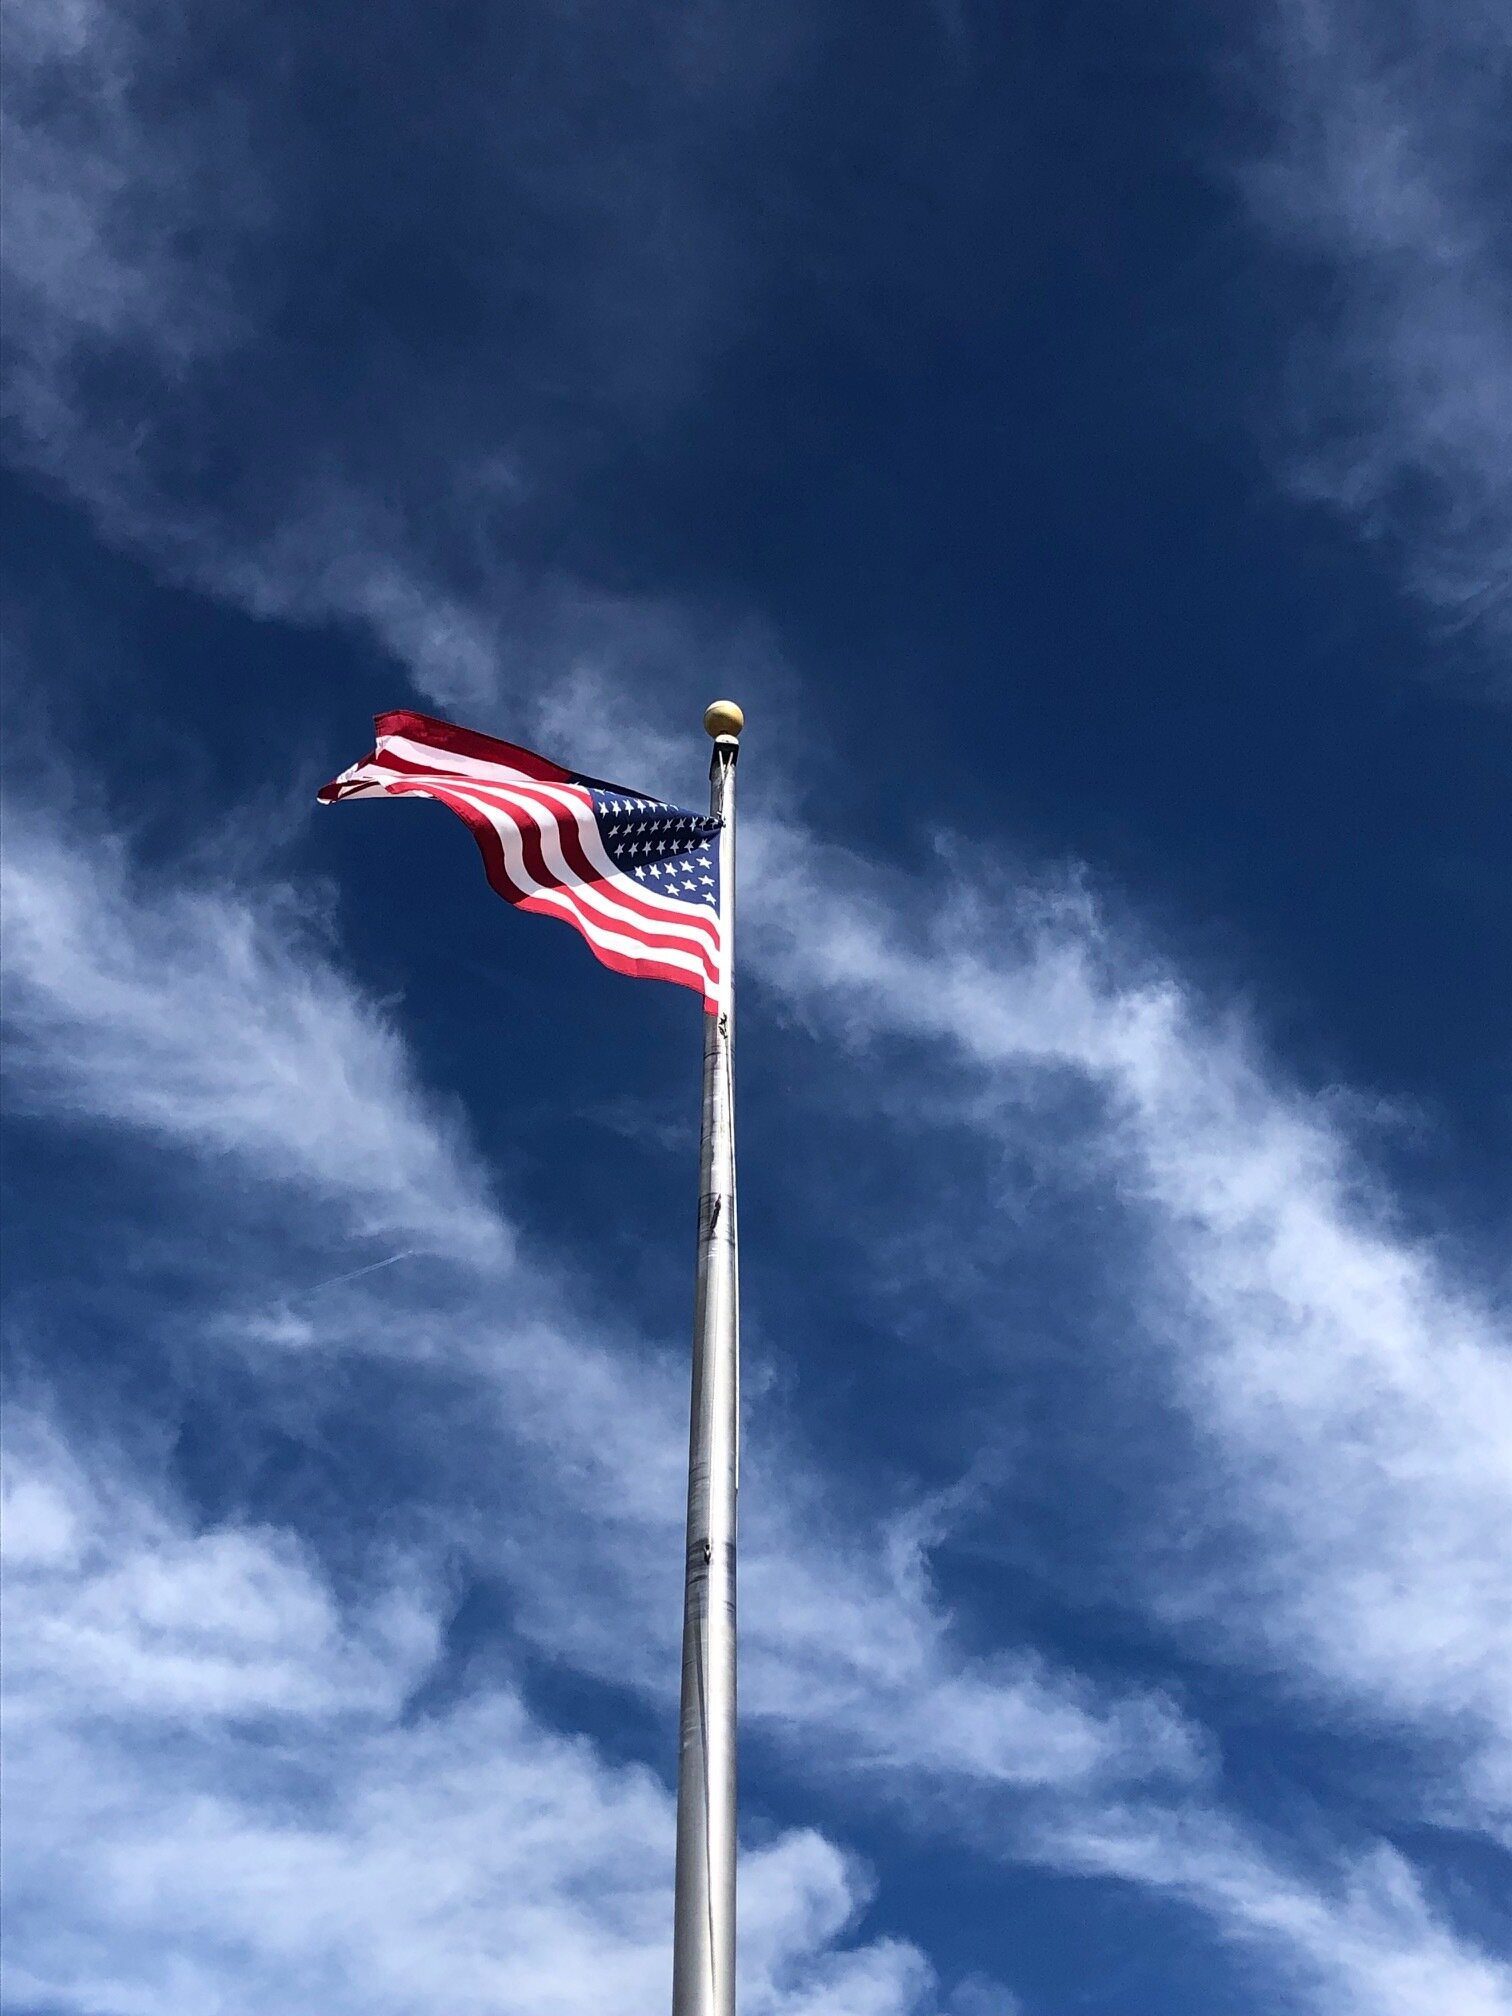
[703,1943]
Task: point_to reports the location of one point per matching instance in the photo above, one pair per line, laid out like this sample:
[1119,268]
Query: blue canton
[665,849]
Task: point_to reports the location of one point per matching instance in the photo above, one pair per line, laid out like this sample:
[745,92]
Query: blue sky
[1080,437]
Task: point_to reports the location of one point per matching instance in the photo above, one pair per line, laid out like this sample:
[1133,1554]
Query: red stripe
[643,922]
[468,742]
[622,891]
[625,891]
[496,868]
[642,901]
[647,969]
[389,758]
[641,925]
[489,844]
[651,931]
[620,962]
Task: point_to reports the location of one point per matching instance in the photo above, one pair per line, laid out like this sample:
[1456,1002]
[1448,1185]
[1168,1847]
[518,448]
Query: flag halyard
[639,879]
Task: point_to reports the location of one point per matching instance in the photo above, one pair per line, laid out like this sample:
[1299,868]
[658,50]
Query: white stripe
[560,899]
[697,927]
[638,949]
[678,916]
[445,763]
[589,894]
[443,760]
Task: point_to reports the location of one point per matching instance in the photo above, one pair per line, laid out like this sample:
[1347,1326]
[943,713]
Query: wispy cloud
[1361,1935]
[1383,179]
[190,1016]
[219,1761]
[119,234]
[142,301]
[111,1598]
[221,1800]
[1351,1401]
[197,1015]
[852,1661]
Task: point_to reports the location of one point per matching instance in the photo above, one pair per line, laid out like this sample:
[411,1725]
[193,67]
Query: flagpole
[703,1939]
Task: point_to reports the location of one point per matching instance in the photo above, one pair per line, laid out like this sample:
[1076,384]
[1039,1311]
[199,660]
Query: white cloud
[120,220]
[210,1020]
[213,1018]
[1384,178]
[1360,1936]
[217,1799]
[1352,1403]
[109,1598]
[848,1658]
[150,200]
[851,1661]
[853,1657]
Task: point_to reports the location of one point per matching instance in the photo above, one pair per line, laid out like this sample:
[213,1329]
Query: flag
[638,878]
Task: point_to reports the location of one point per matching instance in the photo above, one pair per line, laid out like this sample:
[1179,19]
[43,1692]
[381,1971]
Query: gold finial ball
[723,718]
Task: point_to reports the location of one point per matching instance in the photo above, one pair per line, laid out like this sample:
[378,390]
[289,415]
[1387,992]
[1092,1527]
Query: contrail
[357,1273]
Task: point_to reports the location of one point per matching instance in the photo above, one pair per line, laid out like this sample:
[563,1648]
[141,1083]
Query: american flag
[638,878]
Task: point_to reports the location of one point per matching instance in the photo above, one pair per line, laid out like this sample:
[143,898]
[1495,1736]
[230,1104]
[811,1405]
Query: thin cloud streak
[137,234]
[227,1802]
[1383,181]
[361,1273]
[1361,1935]
[256,1045]
[1352,1404]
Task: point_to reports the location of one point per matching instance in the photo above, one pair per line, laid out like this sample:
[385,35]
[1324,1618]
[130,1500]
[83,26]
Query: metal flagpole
[703,1940]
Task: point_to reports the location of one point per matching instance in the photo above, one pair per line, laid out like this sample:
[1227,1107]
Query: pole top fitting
[723,718]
